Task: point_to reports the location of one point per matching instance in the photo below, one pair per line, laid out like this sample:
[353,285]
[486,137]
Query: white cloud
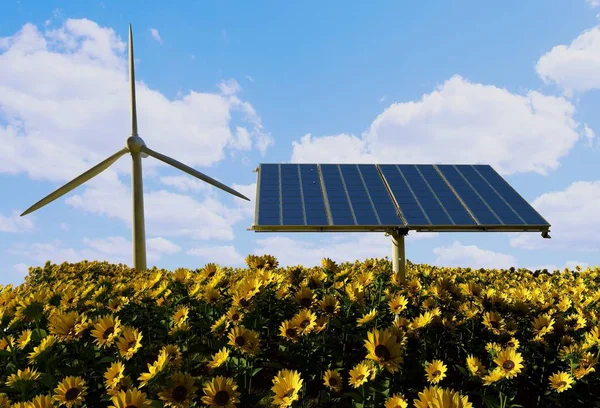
[21,269]
[249,78]
[229,87]
[472,256]
[64,226]
[593,3]
[574,67]
[185,183]
[223,255]
[460,122]
[589,134]
[574,218]
[15,223]
[64,96]
[242,139]
[156,35]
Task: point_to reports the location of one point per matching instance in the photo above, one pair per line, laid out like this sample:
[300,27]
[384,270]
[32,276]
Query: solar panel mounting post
[399,253]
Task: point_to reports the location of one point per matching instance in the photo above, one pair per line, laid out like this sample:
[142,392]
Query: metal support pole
[398,255]
[139,230]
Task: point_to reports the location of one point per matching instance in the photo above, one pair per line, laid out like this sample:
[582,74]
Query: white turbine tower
[138,150]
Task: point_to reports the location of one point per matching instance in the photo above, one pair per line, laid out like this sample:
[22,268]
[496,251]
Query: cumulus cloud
[156,35]
[229,87]
[574,67]
[184,183]
[472,256]
[223,254]
[459,122]
[15,223]
[573,214]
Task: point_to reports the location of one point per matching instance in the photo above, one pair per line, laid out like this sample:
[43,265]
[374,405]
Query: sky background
[223,86]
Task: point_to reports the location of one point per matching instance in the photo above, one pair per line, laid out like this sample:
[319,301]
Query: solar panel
[369,197]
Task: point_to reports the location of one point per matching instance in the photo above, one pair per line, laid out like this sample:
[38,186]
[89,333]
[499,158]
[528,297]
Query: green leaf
[462,370]
[106,360]
[38,334]
[255,371]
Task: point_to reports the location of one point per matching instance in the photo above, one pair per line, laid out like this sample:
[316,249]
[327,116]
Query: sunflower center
[508,365]
[494,324]
[360,377]
[244,302]
[240,341]
[436,373]
[221,398]
[289,393]
[511,344]
[333,381]
[291,332]
[235,317]
[180,393]
[329,309]
[561,384]
[304,323]
[72,394]
[131,344]
[305,302]
[382,352]
[210,274]
[108,332]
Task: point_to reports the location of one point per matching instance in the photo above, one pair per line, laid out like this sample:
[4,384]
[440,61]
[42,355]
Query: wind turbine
[138,150]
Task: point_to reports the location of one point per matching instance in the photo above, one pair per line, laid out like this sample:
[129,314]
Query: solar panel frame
[352,186]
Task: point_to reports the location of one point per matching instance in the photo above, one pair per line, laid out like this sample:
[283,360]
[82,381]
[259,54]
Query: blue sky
[223,86]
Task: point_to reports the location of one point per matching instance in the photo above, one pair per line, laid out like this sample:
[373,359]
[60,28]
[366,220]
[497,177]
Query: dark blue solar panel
[359,198]
[408,205]
[268,195]
[341,212]
[425,197]
[452,205]
[514,199]
[382,201]
[291,196]
[489,194]
[313,196]
[469,195]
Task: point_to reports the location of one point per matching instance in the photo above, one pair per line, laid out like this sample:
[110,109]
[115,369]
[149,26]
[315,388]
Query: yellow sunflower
[510,361]
[289,331]
[124,384]
[475,366]
[71,391]
[24,338]
[397,304]
[421,321]
[235,316]
[39,401]
[441,397]
[106,330]
[384,350]
[114,374]
[219,358]
[21,378]
[221,392]
[396,401]
[493,376]
[333,380]
[330,305]
[494,322]
[244,340]
[131,398]
[179,392]
[435,371]
[286,386]
[366,318]
[154,369]
[129,342]
[305,321]
[561,381]
[359,374]
[543,325]
[174,356]
[45,346]
[220,325]
[304,297]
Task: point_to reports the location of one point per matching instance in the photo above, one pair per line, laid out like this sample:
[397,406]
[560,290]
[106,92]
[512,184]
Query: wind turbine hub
[135,143]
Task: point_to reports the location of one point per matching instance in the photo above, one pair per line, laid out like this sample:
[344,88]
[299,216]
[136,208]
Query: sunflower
[220,325]
[106,330]
[333,380]
[493,348]
[131,398]
[561,381]
[513,343]
[360,374]
[289,331]
[543,325]
[304,297]
[244,340]
[421,321]
[124,384]
[510,361]
[129,342]
[321,324]
[366,318]
[475,366]
[7,343]
[305,321]
[154,369]
[22,378]
[494,322]
[24,338]
[62,325]
[330,305]
[39,401]
[355,292]
[208,271]
[45,346]
[235,316]
[397,304]
[180,391]
[174,356]
[441,397]
[221,392]
[329,265]
[71,391]
[586,365]
[212,296]
[219,358]
[286,386]
[384,350]
[396,401]
[114,374]
[435,371]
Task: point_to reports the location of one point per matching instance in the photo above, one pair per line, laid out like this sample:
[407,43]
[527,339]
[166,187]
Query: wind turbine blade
[133,110]
[76,182]
[191,171]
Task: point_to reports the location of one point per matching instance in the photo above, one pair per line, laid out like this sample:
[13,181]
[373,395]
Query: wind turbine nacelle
[135,144]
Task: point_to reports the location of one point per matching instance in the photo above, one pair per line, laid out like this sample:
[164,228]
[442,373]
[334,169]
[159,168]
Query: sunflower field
[95,334]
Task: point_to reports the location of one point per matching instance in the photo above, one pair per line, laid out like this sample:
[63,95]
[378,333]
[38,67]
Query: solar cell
[336,195]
